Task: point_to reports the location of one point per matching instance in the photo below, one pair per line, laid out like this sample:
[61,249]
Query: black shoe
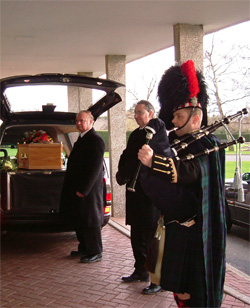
[135,277]
[91,259]
[76,253]
[152,289]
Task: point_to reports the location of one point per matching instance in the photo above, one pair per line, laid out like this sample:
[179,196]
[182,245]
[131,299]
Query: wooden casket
[40,156]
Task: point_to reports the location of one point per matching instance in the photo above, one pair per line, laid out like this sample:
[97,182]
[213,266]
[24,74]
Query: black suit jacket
[139,208]
[85,175]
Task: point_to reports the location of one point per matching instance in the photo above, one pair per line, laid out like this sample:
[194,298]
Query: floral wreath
[37,136]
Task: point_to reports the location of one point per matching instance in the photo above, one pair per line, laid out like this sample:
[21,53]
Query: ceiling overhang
[74,36]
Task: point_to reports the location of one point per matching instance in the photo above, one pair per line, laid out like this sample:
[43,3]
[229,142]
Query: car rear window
[32,98]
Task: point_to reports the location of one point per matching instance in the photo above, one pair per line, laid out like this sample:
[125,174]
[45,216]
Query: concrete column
[116,70]
[79,98]
[188,42]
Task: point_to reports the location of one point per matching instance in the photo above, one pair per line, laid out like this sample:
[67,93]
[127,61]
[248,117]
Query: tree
[148,89]
[227,72]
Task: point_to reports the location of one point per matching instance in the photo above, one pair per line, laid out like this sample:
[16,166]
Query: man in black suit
[82,195]
[141,215]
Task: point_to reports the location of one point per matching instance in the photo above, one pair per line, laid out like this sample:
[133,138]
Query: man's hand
[79,194]
[145,155]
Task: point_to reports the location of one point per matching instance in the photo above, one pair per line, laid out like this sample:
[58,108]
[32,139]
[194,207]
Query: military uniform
[177,190]
[189,194]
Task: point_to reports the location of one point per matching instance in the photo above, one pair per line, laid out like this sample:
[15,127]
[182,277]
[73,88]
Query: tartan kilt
[183,266]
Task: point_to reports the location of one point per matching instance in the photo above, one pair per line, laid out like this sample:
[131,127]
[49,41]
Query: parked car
[239,212]
[30,197]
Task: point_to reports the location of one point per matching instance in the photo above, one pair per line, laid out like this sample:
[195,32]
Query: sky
[139,73]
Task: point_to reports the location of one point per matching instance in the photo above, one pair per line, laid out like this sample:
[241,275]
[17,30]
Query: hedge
[105,136]
[224,138]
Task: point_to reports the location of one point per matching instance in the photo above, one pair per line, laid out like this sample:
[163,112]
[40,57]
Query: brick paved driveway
[36,271]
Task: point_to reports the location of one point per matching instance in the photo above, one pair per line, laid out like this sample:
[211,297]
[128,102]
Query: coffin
[40,156]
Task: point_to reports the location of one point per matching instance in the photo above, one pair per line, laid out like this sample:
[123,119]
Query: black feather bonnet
[181,86]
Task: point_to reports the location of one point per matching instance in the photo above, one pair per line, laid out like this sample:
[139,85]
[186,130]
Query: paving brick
[38,272]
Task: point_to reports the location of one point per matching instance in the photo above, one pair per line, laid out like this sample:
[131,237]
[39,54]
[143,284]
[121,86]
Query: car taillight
[108,189]
[106,181]
[107,210]
[108,196]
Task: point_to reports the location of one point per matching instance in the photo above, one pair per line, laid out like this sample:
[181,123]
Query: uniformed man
[190,194]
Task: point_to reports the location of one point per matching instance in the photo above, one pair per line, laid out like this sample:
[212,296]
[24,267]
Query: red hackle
[188,69]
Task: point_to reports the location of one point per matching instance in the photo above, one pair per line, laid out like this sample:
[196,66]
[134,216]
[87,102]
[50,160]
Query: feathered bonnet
[181,86]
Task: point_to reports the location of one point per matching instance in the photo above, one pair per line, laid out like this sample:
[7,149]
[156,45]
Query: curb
[236,294]
[118,227]
[227,290]
[240,296]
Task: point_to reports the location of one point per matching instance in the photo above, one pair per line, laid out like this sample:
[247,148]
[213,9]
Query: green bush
[222,136]
[105,136]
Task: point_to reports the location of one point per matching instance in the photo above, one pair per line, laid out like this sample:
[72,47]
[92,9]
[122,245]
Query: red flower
[36,137]
[44,137]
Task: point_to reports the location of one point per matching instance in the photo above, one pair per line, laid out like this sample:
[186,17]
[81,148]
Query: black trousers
[141,238]
[90,240]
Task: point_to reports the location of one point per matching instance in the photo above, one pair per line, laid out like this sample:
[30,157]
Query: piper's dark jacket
[139,208]
[85,175]
[194,257]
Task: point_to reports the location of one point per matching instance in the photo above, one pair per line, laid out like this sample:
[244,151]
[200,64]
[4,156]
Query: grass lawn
[231,165]
[245,149]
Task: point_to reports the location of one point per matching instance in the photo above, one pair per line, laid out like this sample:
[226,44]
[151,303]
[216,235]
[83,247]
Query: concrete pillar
[116,70]
[188,42]
[79,98]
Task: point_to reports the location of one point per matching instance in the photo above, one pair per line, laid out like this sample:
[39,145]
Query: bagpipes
[162,146]
[156,128]
[179,144]
[150,132]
